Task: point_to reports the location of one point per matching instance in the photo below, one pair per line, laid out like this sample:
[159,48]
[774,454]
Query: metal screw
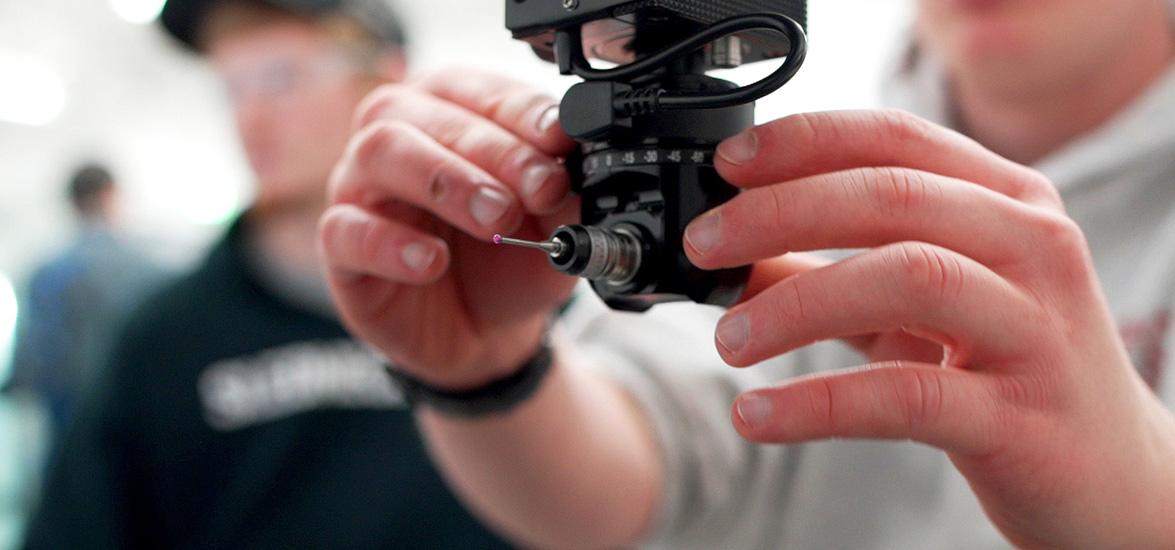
[570,5]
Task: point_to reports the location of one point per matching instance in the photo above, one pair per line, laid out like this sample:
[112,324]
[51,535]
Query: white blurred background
[96,79]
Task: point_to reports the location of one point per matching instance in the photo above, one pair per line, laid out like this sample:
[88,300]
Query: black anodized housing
[535,21]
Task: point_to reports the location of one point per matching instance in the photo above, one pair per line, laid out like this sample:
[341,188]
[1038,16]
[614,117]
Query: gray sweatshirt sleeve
[723,492]
[719,490]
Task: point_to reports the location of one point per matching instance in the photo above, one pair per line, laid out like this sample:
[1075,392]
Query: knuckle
[915,264]
[370,239]
[379,103]
[1031,185]
[821,405]
[899,126]
[338,188]
[900,192]
[330,225]
[532,104]
[518,106]
[798,308]
[491,105]
[365,152]
[806,124]
[1037,180]
[1024,392]
[921,396]
[793,307]
[928,273]
[855,185]
[1040,183]
[355,178]
[379,142]
[813,131]
[1066,240]
[483,141]
[1058,228]
[340,232]
[776,208]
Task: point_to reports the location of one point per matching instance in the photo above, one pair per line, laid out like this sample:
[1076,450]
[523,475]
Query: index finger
[518,107]
[806,145]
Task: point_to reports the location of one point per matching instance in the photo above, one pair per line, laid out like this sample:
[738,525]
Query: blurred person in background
[78,300]
[1011,298]
[236,411]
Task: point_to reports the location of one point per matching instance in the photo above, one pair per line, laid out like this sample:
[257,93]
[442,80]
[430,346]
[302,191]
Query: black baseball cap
[182,18]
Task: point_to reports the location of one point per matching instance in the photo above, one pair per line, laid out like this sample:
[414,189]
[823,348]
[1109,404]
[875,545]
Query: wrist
[508,351]
[498,356]
[496,397]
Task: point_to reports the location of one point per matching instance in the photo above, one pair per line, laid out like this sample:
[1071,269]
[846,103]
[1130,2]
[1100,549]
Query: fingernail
[740,149]
[754,410]
[418,256]
[488,205]
[547,119]
[704,232]
[535,178]
[733,332]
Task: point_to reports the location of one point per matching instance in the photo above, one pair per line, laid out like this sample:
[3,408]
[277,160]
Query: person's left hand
[978,301]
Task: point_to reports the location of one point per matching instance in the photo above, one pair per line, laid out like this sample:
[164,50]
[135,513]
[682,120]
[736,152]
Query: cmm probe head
[609,255]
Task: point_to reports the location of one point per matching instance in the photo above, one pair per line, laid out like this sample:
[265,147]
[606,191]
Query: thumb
[948,408]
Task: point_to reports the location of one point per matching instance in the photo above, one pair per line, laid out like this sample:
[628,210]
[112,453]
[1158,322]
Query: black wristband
[497,397]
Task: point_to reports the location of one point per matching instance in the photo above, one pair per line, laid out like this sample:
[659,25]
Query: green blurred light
[8,314]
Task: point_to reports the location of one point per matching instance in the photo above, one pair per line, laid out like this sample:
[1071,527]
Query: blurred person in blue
[236,411]
[76,302]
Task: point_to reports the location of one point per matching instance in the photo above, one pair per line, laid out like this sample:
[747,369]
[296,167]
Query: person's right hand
[434,170]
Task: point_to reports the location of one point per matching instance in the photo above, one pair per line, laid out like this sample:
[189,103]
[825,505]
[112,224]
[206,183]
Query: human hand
[435,169]
[979,304]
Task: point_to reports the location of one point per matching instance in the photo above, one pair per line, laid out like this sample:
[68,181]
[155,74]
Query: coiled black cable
[569,45]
